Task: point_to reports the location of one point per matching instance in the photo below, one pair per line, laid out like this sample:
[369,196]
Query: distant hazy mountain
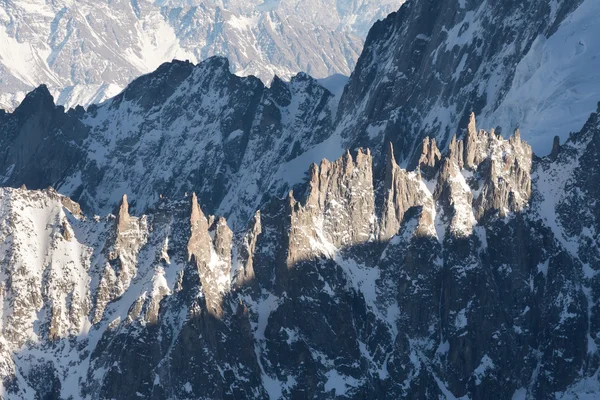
[87,51]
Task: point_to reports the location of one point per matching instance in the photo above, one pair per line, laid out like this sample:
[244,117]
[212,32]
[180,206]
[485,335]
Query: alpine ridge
[460,284]
[425,68]
[252,141]
[88,51]
[201,235]
[190,128]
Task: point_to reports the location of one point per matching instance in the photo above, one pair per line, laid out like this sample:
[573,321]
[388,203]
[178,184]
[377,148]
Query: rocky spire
[507,176]
[402,190]
[453,193]
[123,215]
[498,168]
[130,235]
[470,143]
[213,259]
[555,148]
[430,157]
[339,210]
[38,99]
[456,151]
[222,240]
[199,242]
[245,275]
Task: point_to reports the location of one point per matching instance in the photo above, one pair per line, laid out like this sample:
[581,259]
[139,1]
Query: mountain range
[88,51]
[203,235]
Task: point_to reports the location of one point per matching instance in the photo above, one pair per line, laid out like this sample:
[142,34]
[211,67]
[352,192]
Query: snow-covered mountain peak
[382,246]
[87,52]
[358,252]
[516,66]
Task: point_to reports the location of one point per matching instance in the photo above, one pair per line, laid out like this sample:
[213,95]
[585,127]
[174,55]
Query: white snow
[448,395]
[520,394]
[585,389]
[481,371]
[543,267]
[463,220]
[556,84]
[340,383]
[461,321]
[263,308]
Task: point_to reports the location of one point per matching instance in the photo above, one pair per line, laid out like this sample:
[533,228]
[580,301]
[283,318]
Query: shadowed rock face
[468,282]
[26,152]
[181,129]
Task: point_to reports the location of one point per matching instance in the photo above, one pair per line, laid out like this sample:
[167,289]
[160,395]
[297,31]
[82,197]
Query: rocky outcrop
[129,236]
[503,166]
[454,193]
[482,175]
[396,284]
[244,275]
[430,157]
[339,209]
[209,248]
[405,190]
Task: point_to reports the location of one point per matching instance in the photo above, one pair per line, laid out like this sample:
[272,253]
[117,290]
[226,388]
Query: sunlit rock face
[386,286]
[210,237]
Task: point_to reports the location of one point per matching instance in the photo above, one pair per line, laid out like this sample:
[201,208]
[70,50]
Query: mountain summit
[87,51]
[204,236]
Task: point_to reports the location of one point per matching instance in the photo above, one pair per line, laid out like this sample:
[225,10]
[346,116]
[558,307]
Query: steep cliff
[480,278]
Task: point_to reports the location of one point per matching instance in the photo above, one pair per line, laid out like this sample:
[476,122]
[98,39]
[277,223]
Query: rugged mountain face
[478,276]
[417,264]
[87,51]
[187,128]
[236,143]
[529,65]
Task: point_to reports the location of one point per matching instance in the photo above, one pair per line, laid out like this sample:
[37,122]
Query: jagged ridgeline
[86,54]
[418,264]
[476,274]
[182,128]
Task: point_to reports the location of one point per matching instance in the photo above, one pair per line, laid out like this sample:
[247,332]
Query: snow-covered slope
[555,86]
[87,51]
[182,128]
[531,65]
[477,274]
